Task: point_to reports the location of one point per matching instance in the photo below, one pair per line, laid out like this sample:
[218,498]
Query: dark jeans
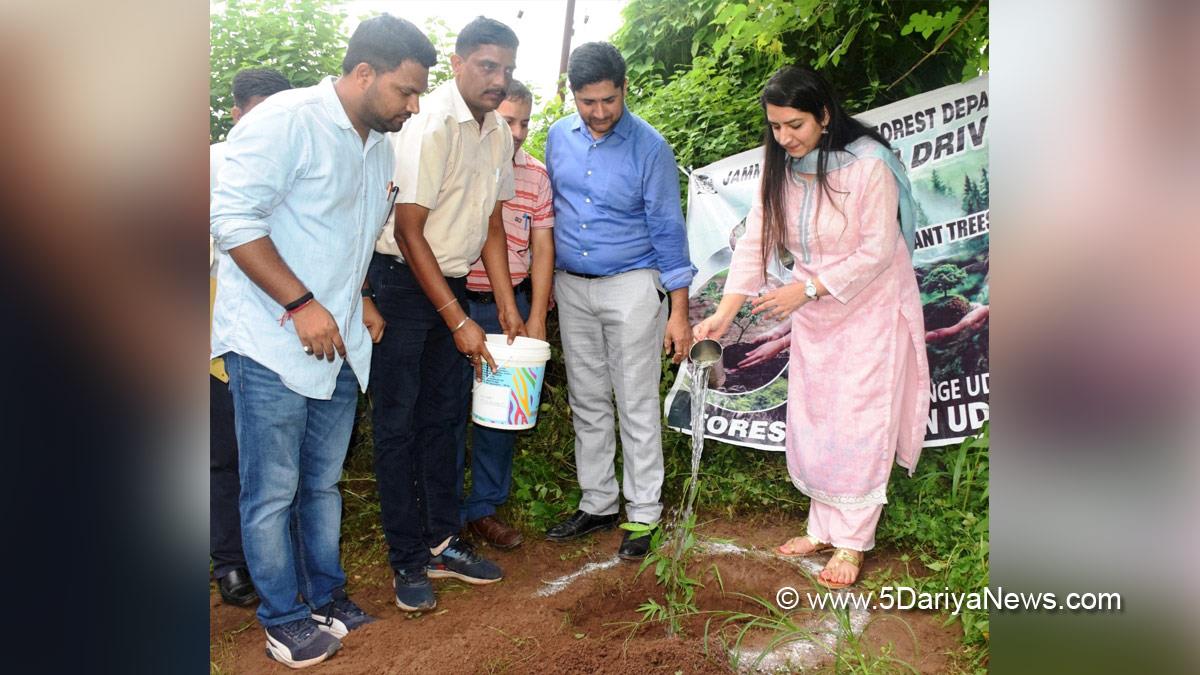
[420,394]
[491,449]
[224,526]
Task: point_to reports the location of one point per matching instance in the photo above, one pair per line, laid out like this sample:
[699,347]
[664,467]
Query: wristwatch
[810,290]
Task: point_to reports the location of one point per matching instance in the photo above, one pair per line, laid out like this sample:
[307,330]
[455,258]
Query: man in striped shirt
[528,223]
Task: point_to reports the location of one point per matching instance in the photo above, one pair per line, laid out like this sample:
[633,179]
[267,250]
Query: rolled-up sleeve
[879,234]
[664,219]
[264,157]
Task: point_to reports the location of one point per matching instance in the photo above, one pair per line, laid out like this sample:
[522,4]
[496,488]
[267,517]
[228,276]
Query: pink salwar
[844,527]
[858,378]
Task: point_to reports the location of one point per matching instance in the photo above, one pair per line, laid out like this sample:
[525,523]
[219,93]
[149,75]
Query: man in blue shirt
[621,249]
[301,198]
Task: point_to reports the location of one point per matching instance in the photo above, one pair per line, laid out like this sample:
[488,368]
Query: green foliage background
[303,39]
[696,68]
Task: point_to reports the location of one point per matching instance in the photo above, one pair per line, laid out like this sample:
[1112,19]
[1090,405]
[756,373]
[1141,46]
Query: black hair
[384,42]
[594,62]
[805,90]
[517,91]
[254,82]
[484,31]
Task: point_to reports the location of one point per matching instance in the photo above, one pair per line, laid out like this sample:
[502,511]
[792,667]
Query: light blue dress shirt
[296,171]
[616,201]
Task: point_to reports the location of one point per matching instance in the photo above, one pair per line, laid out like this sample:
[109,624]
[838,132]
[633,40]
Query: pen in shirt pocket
[392,193]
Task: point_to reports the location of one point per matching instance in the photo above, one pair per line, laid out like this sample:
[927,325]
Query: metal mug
[708,353]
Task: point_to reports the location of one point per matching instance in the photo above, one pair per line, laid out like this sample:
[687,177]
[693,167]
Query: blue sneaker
[300,644]
[414,593]
[460,561]
[341,615]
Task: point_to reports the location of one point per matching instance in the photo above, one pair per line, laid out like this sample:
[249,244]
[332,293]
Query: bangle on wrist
[461,324]
[293,307]
[452,301]
[298,302]
[368,293]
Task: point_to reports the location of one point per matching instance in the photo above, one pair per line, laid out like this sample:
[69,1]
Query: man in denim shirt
[302,196]
[621,248]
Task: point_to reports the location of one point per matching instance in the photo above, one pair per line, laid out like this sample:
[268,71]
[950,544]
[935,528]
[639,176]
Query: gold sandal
[817,546]
[847,556]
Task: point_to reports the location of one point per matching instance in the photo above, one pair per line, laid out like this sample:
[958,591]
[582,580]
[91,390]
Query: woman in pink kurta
[858,379]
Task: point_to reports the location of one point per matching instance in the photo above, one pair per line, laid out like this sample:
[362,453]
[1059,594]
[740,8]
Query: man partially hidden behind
[301,198]
[621,248]
[528,222]
[453,168]
[250,87]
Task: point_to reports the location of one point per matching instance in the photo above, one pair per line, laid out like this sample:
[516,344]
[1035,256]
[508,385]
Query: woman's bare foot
[802,545]
[842,569]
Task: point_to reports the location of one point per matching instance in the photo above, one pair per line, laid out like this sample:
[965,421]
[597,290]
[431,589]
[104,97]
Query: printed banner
[941,136]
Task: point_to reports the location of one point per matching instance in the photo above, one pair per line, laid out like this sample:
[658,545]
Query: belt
[487,297]
[581,275]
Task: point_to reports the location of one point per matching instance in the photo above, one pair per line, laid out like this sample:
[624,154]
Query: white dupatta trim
[875,496]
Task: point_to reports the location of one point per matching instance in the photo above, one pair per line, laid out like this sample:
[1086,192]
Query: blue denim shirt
[616,201]
[296,171]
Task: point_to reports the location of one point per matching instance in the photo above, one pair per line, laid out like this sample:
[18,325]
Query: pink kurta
[858,378]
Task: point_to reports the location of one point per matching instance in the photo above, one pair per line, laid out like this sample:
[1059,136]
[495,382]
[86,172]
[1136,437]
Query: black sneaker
[414,593]
[460,561]
[341,615]
[300,644]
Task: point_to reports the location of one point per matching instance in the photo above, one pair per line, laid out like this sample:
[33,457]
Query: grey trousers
[612,333]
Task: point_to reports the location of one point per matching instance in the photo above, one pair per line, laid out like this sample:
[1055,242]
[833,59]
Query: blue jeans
[292,449]
[491,449]
[420,394]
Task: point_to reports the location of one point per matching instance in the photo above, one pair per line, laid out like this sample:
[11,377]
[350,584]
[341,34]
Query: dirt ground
[586,627]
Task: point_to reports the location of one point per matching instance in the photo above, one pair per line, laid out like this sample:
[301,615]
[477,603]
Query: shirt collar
[623,127]
[520,158]
[462,114]
[333,104]
[337,112]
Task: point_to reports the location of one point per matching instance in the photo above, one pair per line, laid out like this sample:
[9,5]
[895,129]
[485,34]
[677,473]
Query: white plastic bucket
[509,397]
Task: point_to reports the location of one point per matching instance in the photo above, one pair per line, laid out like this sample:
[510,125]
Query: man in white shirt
[302,196]
[250,87]
[453,170]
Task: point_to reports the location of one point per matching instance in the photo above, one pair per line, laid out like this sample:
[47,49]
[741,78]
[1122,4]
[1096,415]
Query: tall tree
[303,39]
[696,68]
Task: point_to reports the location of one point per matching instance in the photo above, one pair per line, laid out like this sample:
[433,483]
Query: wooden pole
[566,44]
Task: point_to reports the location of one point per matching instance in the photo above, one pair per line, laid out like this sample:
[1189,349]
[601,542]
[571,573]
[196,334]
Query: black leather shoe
[237,589]
[635,545]
[580,524]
